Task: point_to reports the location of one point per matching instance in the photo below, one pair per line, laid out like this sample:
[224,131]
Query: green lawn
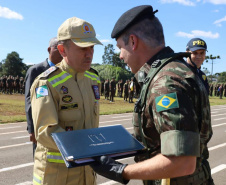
[12,107]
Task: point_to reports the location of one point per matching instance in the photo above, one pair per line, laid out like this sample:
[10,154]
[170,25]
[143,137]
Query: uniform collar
[143,71]
[70,70]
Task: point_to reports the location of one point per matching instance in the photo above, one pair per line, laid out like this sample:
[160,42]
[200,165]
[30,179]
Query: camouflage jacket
[176,119]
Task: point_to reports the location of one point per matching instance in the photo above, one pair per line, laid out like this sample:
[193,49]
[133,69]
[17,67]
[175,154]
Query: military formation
[218,89]
[128,89]
[12,85]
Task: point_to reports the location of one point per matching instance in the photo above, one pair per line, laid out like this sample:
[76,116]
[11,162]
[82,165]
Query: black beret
[131,17]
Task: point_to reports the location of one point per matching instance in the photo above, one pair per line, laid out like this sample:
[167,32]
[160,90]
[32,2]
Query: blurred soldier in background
[106,89]
[112,89]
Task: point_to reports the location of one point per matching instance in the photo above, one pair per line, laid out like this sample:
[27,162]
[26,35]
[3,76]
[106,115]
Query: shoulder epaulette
[46,73]
[93,71]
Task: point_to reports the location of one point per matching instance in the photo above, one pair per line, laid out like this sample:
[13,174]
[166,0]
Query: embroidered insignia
[167,101]
[69,128]
[64,90]
[67,99]
[156,64]
[86,28]
[204,77]
[41,91]
[69,106]
[141,76]
[96,92]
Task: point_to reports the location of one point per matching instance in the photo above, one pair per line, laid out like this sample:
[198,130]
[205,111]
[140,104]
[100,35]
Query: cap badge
[198,42]
[86,28]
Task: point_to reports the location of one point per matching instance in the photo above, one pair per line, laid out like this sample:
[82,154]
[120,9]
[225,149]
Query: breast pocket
[70,115]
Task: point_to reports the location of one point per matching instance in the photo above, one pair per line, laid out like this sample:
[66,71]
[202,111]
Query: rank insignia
[69,128]
[41,91]
[69,106]
[64,90]
[49,71]
[96,92]
[156,64]
[67,99]
[167,101]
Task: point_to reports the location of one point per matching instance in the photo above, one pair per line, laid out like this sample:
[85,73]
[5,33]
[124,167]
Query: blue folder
[79,147]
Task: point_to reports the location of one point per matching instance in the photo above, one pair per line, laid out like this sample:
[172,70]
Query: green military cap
[131,17]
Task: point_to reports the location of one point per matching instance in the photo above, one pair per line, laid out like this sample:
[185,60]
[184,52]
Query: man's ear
[134,41]
[49,48]
[61,50]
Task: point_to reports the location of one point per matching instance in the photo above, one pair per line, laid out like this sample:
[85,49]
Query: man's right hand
[32,138]
[109,168]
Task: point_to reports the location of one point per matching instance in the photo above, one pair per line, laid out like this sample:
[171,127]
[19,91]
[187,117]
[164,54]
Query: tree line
[112,66]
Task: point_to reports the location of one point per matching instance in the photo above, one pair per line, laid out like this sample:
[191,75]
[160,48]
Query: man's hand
[109,168]
[32,138]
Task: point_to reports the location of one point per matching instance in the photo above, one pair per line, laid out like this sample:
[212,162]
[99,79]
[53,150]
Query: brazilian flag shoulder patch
[41,91]
[166,102]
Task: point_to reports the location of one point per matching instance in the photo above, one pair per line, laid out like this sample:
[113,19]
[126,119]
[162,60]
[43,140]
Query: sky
[26,26]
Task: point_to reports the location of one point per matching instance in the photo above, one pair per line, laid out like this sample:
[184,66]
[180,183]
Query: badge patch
[64,90]
[96,92]
[41,91]
[67,99]
[204,77]
[166,101]
[69,106]
[69,128]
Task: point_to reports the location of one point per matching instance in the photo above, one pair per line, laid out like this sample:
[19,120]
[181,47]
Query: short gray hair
[64,42]
[149,31]
[53,41]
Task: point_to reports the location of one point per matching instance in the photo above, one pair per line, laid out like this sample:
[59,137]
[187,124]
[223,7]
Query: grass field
[12,107]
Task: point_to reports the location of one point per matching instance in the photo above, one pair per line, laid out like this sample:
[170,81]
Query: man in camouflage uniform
[0,84]
[121,88]
[225,90]
[211,89]
[126,90]
[112,88]
[173,113]
[9,84]
[131,90]
[102,87]
[215,89]
[4,79]
[106,89]
[22,85]
[17,84]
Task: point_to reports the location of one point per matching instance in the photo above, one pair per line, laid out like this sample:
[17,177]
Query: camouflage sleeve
[173,101]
